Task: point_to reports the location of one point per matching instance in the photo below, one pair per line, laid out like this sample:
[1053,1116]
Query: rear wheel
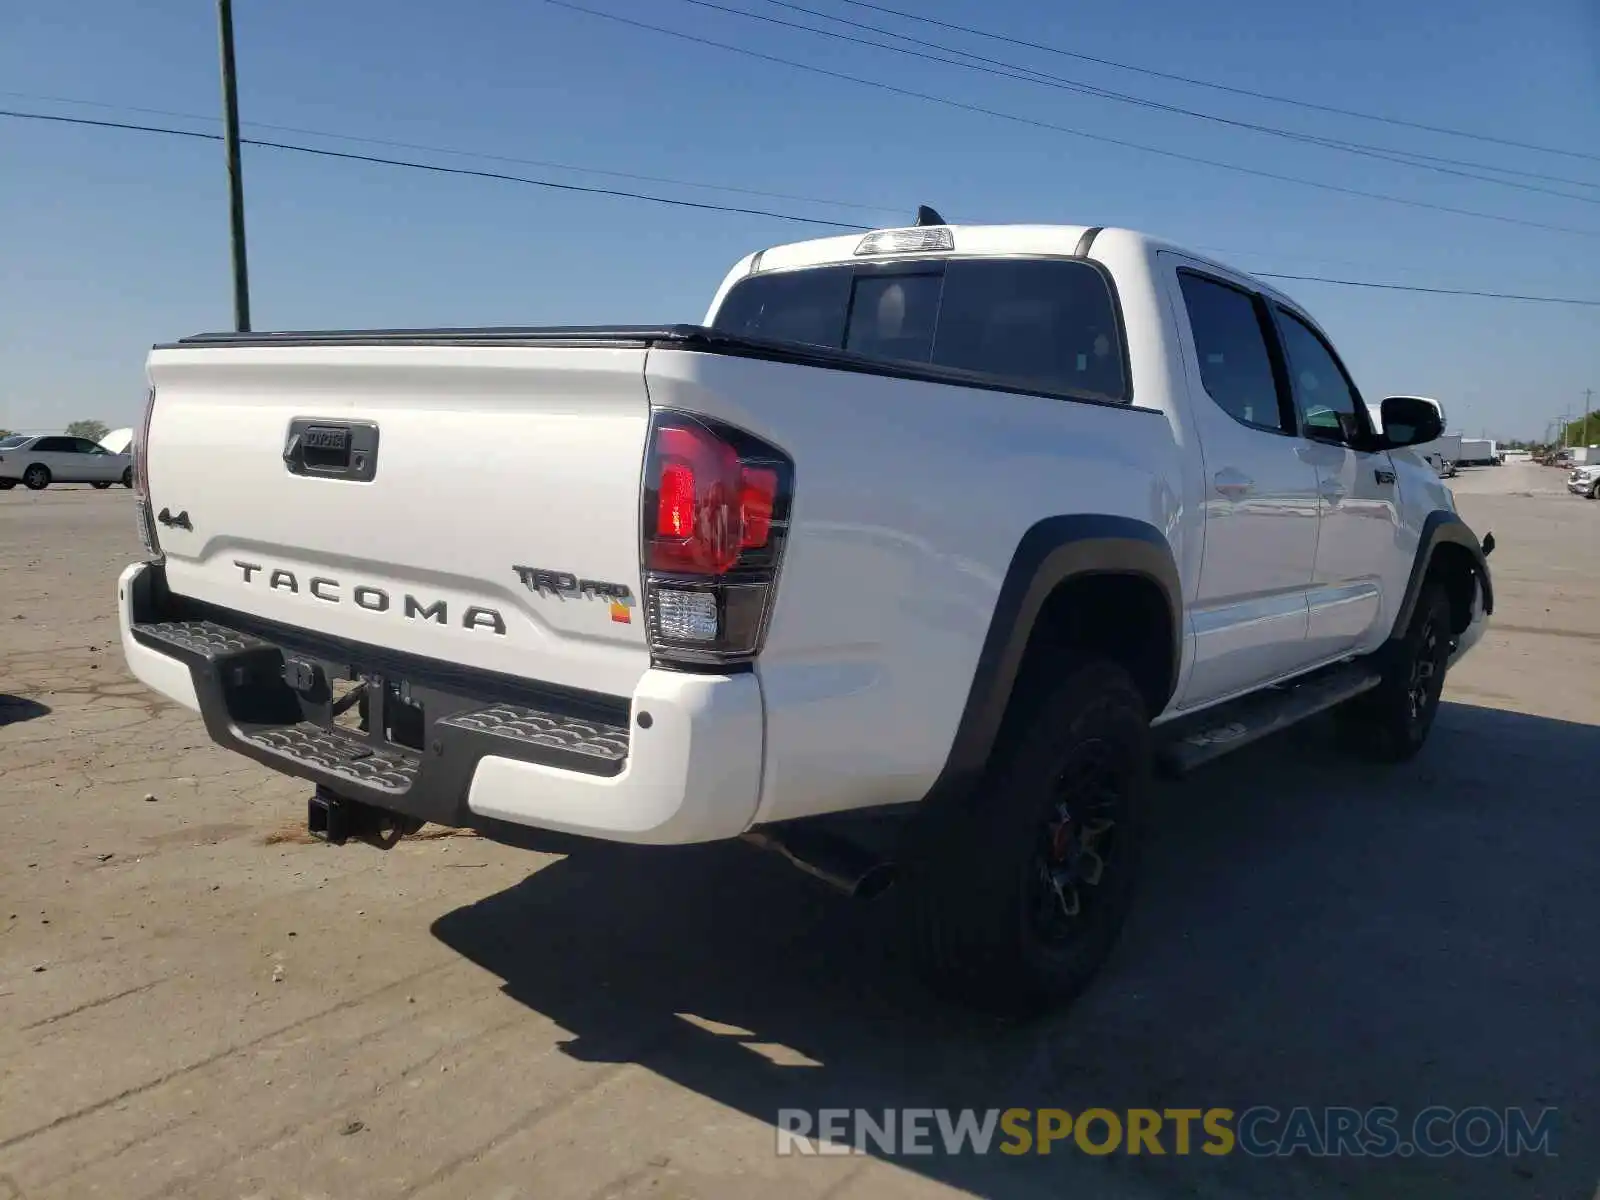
[1391,722]
[99,486]
[127,477]
[36,478]
[1017,892]
[7,484]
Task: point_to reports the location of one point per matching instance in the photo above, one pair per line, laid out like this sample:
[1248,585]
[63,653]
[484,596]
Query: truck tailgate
[388,494]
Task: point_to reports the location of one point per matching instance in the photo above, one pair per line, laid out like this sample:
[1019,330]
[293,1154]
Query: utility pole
[230,140]
[1588,395]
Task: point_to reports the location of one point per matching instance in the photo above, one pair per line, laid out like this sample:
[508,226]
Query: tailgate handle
[332,449]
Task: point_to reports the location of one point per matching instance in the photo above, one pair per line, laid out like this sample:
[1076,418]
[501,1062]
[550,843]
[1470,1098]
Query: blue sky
[116,240]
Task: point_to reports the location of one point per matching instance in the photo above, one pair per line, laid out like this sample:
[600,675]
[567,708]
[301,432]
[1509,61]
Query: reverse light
[716,510]
[686,616]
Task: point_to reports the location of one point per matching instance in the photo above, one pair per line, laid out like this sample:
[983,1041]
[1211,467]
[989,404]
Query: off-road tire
[36,478]
[983,889]
[1391,723]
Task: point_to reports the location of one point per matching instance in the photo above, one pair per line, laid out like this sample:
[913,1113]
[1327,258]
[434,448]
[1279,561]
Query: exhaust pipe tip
[876,882]
[842,865]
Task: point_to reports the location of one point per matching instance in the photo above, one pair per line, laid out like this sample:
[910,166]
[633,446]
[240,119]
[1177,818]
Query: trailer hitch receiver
[336,819]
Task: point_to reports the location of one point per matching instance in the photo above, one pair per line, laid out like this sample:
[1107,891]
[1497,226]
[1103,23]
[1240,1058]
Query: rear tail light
[141,480]
[716,513]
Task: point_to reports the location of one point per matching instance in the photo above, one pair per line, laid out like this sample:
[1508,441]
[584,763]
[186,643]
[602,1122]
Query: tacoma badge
[372,599]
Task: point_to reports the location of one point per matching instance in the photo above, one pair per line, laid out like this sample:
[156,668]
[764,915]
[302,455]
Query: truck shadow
[1312,931]
[16,709]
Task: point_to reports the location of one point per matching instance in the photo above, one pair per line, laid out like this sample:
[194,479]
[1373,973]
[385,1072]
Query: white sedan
[38,460]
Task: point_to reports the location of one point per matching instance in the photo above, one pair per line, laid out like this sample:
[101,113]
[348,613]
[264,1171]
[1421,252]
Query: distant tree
[93,430]
[1583,431]
[5,433]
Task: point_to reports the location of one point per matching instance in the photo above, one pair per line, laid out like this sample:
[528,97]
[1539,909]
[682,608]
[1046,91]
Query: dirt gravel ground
[196,1003]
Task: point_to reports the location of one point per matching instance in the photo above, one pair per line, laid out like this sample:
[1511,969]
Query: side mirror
[1410,421]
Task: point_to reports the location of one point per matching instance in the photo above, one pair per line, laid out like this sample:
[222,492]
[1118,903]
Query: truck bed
[667,337]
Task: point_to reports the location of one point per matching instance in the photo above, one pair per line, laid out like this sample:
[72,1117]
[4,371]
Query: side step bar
[1223,729]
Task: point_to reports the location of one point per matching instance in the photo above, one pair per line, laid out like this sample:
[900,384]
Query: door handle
[1382,476]
[1232,483]
[346,450]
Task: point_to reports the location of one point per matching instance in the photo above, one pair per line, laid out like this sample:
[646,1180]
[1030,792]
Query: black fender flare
[1440,527]
[1054,550]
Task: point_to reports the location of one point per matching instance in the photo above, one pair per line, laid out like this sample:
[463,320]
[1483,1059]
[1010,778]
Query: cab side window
[1032,323]
[1330,407]
[1230,344]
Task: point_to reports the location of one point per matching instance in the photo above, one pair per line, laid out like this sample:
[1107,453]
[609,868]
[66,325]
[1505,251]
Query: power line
[1010,70]
[1220,87]
[505,158]
[1567,179]
[688,183]
[437,169]
[1432,291]
[1042,124]
[691,204]
[1092,89]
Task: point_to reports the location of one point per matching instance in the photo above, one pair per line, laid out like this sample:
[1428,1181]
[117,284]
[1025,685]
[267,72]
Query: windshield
[12,442]
[1045,325]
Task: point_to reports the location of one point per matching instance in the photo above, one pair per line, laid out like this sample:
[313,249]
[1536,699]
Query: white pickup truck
[910,563]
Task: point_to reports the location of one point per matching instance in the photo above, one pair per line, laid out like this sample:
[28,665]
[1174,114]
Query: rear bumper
[678,761]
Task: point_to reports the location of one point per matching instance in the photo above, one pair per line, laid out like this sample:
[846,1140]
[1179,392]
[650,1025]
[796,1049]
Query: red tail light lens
[698,525]
[140,451]
[710,504]
[758,491]
[675,516]
[141,448]
[716,507]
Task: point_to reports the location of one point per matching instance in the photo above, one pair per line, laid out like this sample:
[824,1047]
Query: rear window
[894,317]
[12,442]
[1045,325]
[797,306]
